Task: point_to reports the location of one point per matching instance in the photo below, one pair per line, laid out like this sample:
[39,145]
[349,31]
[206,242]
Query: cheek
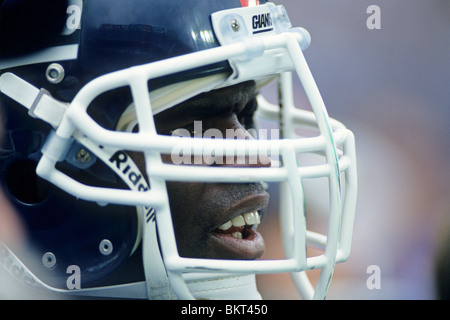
[185,204]
[185,200]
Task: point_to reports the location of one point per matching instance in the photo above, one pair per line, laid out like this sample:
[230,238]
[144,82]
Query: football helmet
[77,105]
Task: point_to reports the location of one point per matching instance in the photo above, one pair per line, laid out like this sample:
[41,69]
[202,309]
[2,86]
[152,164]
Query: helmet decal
[249,3]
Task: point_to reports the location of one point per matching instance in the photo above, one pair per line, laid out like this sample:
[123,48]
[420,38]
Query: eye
[183,132]
[180,132]
[191,130]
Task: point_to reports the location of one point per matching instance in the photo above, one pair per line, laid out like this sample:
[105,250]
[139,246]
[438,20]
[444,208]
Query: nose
[232,129]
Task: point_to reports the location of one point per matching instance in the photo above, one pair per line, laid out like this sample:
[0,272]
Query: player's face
[199,209]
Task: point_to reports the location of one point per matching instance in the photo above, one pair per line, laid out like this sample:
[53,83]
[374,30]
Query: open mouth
[242,226]
[238,238]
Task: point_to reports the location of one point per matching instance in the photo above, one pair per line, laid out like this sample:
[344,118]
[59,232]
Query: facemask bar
[76,122]
[290,118]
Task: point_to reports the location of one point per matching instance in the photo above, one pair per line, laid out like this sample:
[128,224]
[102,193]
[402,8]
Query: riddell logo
[249,3]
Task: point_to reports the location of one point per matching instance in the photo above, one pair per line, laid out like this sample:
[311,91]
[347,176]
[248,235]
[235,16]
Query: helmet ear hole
[24,185]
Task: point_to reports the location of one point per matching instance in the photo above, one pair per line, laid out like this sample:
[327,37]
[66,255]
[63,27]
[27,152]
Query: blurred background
[391,87]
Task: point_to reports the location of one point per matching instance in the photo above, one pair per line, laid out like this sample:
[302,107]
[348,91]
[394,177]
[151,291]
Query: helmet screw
[55,73]
[83,156]
[235,25]
[105,247]
[49,260]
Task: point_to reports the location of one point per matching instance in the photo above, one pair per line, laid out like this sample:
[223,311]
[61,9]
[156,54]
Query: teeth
[237,235]
[239,221]
[226,225]
[249,219]
[252,218]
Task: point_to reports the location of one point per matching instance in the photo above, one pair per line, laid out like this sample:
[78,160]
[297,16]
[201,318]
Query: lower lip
[251,247]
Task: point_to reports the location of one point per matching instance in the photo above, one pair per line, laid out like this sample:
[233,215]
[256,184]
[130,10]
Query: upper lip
[255,202]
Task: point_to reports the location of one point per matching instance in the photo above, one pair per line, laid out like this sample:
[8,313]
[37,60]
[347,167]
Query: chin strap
[40,103]
[223,286]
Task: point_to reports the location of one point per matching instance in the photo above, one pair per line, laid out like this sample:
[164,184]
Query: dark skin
[199,208]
